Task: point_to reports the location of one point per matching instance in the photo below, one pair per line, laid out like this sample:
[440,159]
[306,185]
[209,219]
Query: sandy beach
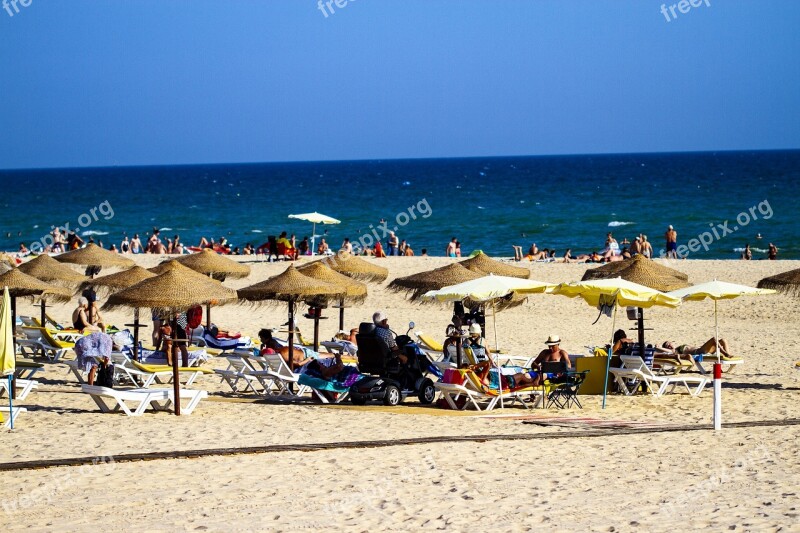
[573,475]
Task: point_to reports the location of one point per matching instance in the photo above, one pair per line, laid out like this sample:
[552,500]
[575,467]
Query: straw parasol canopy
[787,283]
[484,264]
[418,284]
[174,290]
[174,265]
[211,263]
[116,282]
[353,290]
[612,270]
[356,268]
[20,284]
[49,270]
[94,256]
[289,286]
[643,271]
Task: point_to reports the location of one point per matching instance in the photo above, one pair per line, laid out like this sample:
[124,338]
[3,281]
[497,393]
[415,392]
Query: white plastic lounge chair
[476,394]
[284,377]
[240,369]
[728,363]
[157,399]
[22,387]
[9,416]
[26,369]
[39,341]
[635,369]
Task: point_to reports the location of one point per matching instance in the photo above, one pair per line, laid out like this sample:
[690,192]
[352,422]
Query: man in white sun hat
[553,353]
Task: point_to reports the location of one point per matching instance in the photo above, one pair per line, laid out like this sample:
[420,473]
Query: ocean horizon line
[403,159]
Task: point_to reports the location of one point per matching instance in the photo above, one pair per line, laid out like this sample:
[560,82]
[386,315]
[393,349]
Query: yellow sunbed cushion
[167,368]
[430,341]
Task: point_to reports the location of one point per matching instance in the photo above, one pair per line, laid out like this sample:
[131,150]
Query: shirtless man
[647,248]
[636,247]
[450,251]
[671,236]
[553,353]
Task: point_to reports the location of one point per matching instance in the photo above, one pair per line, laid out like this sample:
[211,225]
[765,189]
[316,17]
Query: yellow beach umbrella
[605,293]
[717,290]
[8,359]
[488,289]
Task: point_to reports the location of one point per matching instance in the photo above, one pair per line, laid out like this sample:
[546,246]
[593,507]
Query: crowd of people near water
[287,245]
[614,250]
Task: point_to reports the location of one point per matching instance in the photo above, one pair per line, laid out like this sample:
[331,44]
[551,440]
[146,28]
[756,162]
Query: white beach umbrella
[315,218]
[717,290]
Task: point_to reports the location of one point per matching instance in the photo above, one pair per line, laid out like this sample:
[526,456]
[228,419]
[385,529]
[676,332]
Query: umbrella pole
[497,350]
[11,398]
[611,353]
[208,316]
[136,334]
[341,314]
[43,318]
[176,373]
[716,329]
[14,327]
[313,238]
[291,335]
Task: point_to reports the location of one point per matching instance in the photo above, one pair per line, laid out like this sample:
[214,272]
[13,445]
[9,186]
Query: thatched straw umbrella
[95,258]
[290,286]
[20,285]
[787,283]
[173,292]
[354,267]
[643,271]
[47,269]
[215,265]
[354,291]
[418,284]
[484,264]
[116,282]
[610,270]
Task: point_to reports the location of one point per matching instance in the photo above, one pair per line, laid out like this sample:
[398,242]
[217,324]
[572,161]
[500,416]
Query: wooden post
[43,317]
[341,314]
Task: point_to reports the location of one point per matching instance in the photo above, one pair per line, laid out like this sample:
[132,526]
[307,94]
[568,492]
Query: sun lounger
[728,363]
[634,370]
[284,377]
[9,416]
[26,369]
[482,397]
[240,369]
[325,391]
[157,399]
[22,387]
[39,341]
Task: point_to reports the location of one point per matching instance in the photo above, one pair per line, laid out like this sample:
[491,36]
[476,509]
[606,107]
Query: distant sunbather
[710,347]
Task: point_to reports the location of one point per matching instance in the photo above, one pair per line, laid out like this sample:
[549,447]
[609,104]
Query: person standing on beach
[647,248]
[125,245]
[392,243]
[747,254]
[347,246]
[450,251]
[136,244]
[773,252]
[671,236]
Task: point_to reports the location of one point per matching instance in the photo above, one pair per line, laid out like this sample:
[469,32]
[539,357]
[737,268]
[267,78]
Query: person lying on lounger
[269,346]
[684,351]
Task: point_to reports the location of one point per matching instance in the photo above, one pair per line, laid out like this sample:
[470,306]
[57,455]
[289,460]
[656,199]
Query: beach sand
[563,477]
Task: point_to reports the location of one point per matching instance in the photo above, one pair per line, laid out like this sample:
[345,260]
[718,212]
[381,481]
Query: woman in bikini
[685,351]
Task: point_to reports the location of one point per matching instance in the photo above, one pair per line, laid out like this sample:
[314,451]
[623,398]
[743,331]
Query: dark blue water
[488,203]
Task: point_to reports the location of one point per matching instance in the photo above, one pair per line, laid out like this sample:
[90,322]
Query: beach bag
[194,317]
[105,375]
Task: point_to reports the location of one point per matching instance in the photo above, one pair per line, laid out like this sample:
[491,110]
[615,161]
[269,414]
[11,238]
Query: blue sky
[122,82]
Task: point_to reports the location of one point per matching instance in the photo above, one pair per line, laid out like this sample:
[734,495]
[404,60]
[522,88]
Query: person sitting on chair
[382,330]
[80,319]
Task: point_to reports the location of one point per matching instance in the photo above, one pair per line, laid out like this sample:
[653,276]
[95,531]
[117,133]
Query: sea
[718,202]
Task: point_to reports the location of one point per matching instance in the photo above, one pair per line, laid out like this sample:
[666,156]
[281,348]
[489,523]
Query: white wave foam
[617,223]
[256,231]
[759,250]
[166,229]
[90,232]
